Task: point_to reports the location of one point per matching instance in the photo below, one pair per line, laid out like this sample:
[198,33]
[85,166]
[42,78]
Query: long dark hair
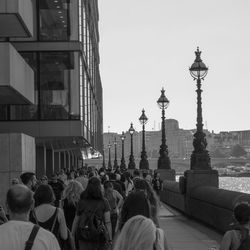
[93,189]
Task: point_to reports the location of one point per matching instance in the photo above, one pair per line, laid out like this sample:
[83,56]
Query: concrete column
[49,162]
[62,159]
[40,161]
[57,162]
[67,160]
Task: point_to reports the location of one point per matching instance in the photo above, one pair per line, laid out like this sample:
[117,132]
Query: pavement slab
[184,233]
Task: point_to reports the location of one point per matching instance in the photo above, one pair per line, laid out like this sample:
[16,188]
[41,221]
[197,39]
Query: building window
[54,23]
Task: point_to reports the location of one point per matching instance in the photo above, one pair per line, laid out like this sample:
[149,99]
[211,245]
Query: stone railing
[208,204]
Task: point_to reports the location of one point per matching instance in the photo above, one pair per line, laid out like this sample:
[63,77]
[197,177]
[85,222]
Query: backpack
[91,227]
[245,239]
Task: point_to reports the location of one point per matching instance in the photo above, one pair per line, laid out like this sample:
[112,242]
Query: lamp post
[123,164]
[109,161]
[200,158]
[115,161]
[163,161]
[131,164]
[144,161]
[103,158]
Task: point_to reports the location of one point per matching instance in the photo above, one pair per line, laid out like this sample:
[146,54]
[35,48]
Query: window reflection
[54,20]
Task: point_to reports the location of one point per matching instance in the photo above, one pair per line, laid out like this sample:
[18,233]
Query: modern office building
[50,85]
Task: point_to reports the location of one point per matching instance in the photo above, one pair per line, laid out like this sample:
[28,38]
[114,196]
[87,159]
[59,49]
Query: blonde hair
[73,191]
[138,233]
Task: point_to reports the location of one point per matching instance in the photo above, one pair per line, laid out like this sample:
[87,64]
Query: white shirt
[14,234]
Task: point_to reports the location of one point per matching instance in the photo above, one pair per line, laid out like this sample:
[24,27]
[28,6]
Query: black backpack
[245,239]
[91,227]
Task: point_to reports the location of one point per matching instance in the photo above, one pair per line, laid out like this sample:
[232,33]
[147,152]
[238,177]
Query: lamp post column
[163,161]
[131,164]
[115,161]
[144,161]
[200,158]
[123,164]
[109,162]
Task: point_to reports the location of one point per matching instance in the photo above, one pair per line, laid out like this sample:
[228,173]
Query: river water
[240,184]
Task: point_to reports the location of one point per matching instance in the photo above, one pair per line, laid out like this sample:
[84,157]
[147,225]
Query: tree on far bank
[217,153]
[238,151]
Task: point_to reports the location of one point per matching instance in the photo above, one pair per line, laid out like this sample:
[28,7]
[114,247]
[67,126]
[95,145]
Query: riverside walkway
[184,233]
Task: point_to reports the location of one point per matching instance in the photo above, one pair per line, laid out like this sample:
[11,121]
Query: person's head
[108,186]
[72,175]
[44,180]
[148,178]
[19,200]
[54,178]
[242,213]
[61,171]
[73,191]
[14,181]
[117,177]
[44,195]
[138,233]
[112,176]
[136,203]
[136,173]
[156,175]
[93,189]
[29,179]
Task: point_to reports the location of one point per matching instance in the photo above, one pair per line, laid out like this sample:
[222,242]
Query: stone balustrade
[208,204]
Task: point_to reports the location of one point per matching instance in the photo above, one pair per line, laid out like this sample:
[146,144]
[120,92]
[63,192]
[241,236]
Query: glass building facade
[64,55]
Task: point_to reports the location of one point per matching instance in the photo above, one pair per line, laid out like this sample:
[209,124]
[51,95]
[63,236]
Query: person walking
[92,205]
[157,183]
[46,215]
[140,233]
[70,199]
[15,233]
[233,238]
[115,202]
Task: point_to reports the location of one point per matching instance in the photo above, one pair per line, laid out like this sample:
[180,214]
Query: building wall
[63,52]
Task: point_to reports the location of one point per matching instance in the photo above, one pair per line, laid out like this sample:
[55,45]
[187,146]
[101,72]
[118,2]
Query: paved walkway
[183,233]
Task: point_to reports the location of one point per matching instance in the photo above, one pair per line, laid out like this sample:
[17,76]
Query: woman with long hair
[92,200]
[143,185]
[140,233]
[70,199]
[46,215]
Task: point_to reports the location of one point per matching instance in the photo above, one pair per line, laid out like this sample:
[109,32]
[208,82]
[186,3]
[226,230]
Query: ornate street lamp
[103,158]
[163,161]
[131,164]
[200,158]
[123,164]
[115,161]
[144,161]
[109,161]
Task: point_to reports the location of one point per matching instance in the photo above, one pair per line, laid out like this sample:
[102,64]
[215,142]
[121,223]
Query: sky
[149,44]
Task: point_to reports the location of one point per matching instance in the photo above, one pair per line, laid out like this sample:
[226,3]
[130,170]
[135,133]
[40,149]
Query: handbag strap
[29,243]
[54,222]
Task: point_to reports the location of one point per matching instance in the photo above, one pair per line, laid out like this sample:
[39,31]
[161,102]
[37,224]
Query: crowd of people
[83,209]
[92,209]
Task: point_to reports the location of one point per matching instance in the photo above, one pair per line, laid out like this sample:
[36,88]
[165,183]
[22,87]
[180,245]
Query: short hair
[138,233]
[26,177]
[19,199]
[44,195]
[242,213]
